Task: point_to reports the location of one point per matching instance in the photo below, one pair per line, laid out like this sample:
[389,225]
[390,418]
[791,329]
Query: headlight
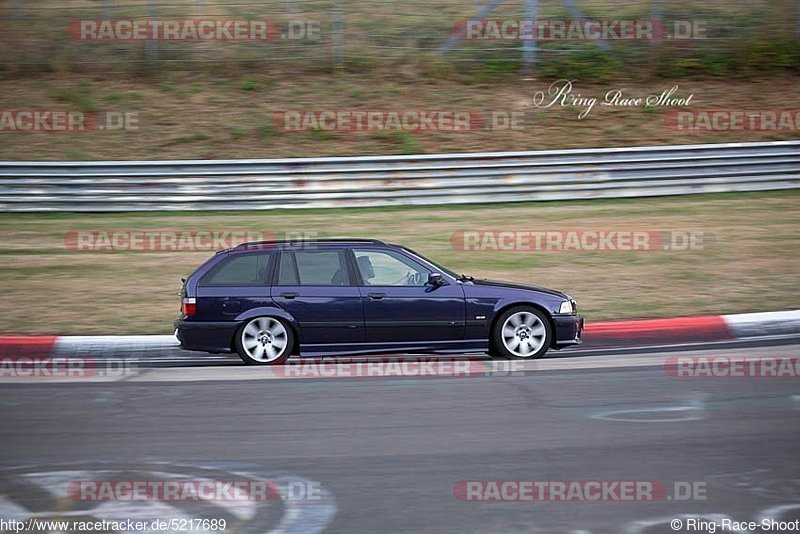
[567,307]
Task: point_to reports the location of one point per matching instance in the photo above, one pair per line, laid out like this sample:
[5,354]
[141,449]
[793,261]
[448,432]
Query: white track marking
[744,325]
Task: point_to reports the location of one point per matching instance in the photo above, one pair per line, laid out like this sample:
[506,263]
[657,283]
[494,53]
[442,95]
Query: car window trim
[355,272]
[276,280]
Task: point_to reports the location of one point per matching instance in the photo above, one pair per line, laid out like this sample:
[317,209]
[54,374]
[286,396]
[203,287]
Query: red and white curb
[692,329]
[648,332]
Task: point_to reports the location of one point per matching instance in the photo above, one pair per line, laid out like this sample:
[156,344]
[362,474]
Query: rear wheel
[521,333]
[264,341]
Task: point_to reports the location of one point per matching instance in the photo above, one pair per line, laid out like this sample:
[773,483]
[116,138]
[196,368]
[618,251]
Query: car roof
[289,243]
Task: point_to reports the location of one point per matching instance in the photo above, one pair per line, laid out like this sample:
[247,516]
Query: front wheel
[264,341]
[521,333]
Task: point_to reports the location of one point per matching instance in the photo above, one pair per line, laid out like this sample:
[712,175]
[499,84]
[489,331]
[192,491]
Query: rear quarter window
[239,270]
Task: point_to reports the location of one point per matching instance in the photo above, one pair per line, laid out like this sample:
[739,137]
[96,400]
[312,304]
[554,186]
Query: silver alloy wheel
[264,339]
[523,334]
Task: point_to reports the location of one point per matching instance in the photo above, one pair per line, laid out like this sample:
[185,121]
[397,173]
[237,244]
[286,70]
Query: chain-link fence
[101,35]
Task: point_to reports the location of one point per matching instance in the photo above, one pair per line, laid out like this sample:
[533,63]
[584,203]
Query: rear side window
[314,268]
[239,270]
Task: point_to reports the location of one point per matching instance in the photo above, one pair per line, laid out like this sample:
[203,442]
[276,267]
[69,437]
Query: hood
[514,285]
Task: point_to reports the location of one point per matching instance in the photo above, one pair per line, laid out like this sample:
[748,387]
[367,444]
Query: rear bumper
[568,330]
[209,336]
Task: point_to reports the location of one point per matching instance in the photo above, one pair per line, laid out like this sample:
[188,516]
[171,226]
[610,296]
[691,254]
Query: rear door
[316,285]
[234,285]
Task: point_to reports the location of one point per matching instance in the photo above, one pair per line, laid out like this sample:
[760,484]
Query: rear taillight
[189,307]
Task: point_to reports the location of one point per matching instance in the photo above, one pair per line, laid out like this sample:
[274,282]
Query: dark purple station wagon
[269,300]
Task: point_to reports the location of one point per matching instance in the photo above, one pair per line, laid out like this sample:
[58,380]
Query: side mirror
[435,279]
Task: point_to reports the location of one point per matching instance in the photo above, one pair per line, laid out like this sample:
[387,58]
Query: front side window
[387,268]
[239,270]
[313,268]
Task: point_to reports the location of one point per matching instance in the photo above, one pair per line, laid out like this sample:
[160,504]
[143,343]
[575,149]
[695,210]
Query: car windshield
[428,260]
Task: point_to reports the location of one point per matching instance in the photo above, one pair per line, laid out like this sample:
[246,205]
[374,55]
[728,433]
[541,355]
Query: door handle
[288,295]
[377,296]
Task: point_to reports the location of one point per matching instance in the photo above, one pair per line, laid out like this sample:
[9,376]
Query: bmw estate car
[267,301]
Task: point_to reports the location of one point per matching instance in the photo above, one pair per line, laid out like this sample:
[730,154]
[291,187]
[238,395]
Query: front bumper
[568,330]
[209,336]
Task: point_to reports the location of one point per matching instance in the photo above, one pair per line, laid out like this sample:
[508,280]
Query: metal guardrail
[399,180]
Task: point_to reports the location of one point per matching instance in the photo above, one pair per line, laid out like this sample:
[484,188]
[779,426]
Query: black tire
[271,333]
[540,340]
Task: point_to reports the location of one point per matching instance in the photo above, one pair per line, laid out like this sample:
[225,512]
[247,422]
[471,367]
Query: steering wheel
[409,279]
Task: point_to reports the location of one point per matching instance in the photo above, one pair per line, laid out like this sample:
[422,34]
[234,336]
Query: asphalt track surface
[388,454]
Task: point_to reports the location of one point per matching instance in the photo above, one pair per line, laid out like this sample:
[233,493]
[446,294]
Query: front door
[400,305]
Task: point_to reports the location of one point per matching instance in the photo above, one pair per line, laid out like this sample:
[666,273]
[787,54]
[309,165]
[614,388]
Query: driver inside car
[365,266]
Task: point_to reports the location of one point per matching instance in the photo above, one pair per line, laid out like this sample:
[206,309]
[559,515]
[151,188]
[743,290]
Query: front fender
[549,304]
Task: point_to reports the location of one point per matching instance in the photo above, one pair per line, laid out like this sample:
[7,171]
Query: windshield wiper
[465,278]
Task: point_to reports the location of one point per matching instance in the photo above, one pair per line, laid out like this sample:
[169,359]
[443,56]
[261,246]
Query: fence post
[797,20]
[337,30]
[151,48]
[575,13]
[530,45]
[657,20]
[455,37]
